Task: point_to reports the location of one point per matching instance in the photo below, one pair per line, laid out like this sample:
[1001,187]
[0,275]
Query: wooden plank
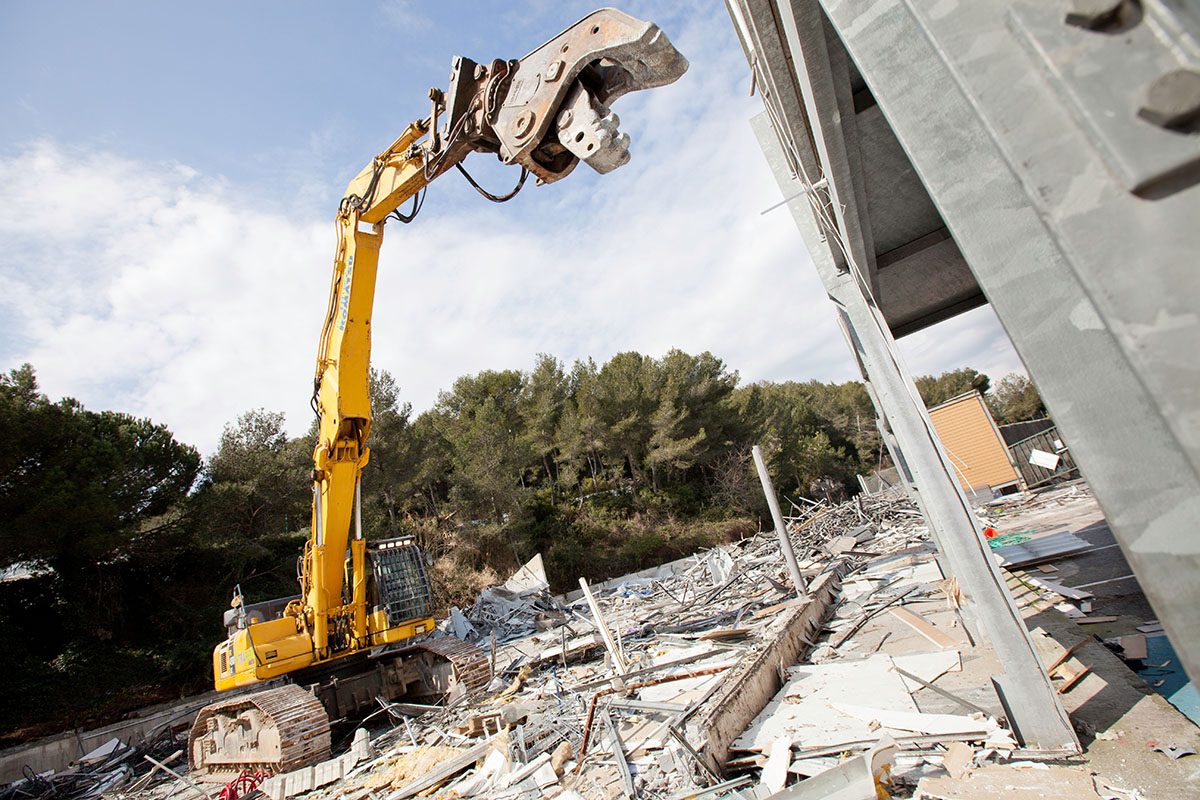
[1094,620]
[1051,651]
[769,610]
[1071,671]
[724,633]
[922,627]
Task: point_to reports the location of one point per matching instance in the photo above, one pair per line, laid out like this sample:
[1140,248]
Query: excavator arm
[544,113]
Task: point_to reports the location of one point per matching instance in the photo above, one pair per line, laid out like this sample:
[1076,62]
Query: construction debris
[1000,782]
[113,765]
[705,678]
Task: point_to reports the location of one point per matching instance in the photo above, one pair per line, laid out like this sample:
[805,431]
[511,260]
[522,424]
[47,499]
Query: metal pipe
[358,509]
[318,527]
[785,543]
[591,712]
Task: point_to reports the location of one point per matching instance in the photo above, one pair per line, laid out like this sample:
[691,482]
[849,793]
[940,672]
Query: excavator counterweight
[361,627]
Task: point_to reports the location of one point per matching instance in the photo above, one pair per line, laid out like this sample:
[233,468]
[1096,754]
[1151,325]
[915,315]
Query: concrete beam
[754,682]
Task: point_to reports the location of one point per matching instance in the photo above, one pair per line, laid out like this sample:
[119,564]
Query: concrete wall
[58,751]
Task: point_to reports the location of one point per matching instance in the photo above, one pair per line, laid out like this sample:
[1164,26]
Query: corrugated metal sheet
[1046,548]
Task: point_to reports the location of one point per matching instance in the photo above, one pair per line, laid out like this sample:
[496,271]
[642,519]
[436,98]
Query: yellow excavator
[362,626]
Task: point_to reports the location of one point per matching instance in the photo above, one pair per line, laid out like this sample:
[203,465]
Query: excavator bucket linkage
[556,107]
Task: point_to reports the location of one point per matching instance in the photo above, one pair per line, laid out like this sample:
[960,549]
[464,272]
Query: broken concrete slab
[1002,781]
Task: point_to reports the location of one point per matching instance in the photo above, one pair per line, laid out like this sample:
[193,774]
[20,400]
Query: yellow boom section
[544,113]
[342,391]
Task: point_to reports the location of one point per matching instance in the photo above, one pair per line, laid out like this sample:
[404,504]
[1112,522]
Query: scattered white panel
[1040,458]
[928,666]
[917,722]
[803,709]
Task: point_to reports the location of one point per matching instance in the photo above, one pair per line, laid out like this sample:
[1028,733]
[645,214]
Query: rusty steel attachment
[604,56]
[550,109]
[276,730]
[544,113]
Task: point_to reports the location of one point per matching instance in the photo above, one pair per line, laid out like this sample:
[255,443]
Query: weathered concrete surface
[747,691]
[58,751]
[1112,699]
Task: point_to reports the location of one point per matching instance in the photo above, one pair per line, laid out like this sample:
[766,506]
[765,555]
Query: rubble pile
[708,677]
[1009,505]
[610,690]
[110,767]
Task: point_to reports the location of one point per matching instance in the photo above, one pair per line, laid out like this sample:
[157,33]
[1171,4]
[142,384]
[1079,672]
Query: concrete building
[1039,156]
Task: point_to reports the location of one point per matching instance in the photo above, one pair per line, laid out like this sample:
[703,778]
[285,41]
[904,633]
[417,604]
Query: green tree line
[121,545]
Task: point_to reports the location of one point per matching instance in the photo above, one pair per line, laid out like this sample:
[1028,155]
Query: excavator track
[279,730]
[469,666]
[276,730]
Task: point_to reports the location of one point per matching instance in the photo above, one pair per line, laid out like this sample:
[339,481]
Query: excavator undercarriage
[281,729]
[276,730]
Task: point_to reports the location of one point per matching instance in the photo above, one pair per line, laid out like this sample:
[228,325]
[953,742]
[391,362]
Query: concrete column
[1030,701]
[781,531]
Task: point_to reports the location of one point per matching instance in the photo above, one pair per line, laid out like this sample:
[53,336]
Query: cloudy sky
[169,173]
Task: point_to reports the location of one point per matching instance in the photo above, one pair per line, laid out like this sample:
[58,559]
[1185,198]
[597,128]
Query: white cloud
[149,288]
[404,15]
[974,339]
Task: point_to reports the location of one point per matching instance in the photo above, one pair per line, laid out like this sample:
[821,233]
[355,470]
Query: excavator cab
[266,640]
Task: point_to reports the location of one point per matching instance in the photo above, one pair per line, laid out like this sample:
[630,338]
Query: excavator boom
[544,113]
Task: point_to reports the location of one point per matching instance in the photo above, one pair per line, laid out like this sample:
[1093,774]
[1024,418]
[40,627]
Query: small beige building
[976,449]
